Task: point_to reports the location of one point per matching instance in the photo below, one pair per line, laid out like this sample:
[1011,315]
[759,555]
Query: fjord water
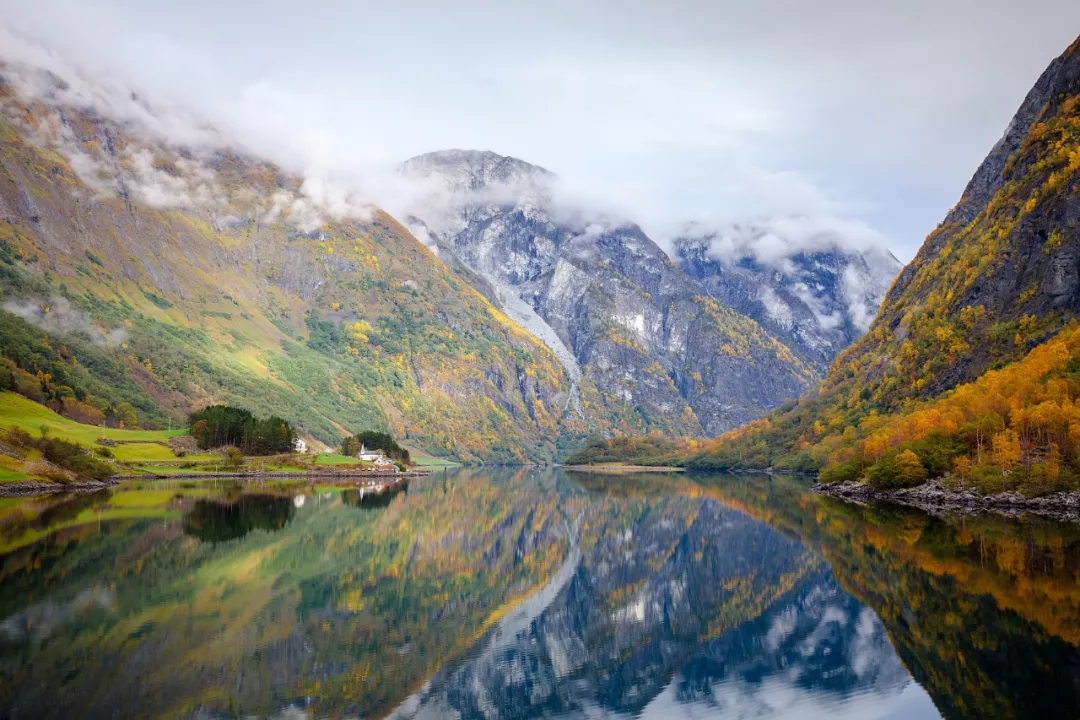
[479,594]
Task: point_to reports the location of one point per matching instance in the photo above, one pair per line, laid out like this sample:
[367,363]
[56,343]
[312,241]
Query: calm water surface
[530,594]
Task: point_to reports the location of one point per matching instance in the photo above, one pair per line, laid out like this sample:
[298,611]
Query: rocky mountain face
[1002,271]
[998,278]
[170,275]
[628,324]
[817,300]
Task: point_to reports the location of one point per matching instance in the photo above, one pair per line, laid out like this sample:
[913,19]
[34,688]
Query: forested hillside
[999,278]
[142,278]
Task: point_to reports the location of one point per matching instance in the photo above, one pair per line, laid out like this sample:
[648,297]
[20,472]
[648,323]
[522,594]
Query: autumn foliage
[1017,427]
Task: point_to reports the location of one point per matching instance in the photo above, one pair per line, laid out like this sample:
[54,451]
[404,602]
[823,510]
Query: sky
[870,114]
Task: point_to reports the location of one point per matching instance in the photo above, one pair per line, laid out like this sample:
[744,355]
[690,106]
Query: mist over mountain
[625,316]
[816,293]
[616,303]
[637,342]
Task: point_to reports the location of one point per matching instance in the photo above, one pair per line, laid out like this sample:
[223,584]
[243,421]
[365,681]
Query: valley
[966,379]
[518,361]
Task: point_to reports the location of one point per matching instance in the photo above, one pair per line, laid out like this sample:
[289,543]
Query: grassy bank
[17,411]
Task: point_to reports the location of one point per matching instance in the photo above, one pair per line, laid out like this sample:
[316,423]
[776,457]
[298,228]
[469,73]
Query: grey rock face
[1009,250]
[817,301]
[987,180]
[645,339]
[1059,81]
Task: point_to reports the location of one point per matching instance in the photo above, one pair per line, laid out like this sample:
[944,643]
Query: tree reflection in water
[527,594]
[214,521]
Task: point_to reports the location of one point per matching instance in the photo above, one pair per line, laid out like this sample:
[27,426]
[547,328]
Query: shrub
[937,452]
[884,475]
[799,462]
[234,458]
[67,455]
[841,472]
[909,467]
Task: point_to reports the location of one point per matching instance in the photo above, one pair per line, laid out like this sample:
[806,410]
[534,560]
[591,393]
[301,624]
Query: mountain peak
[1057,83]
[474,169]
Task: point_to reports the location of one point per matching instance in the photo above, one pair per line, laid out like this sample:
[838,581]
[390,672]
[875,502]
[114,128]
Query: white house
[300,446]
[372,456]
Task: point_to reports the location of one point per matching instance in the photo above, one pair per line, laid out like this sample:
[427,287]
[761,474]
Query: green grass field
[153,452]
[152,469]
[335,459]
[143,447]
[142,452]
[17,411]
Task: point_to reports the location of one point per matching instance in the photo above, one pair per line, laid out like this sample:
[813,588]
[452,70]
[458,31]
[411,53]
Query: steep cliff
[1002,272]
[625,317]
[995,282]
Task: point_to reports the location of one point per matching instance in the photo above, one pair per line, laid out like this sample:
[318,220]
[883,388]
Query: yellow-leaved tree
[1007,450]
[910,467]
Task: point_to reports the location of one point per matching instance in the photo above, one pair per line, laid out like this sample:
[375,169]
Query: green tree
[234,458]
[126,415]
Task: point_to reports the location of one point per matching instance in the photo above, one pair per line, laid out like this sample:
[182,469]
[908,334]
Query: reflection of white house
[298,501]
[300,445]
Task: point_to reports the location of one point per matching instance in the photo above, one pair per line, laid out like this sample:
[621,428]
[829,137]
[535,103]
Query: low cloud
[438,186]
[865,274]
[333,186]
[38,73]
[163,164]
[56,316]
[773,240]
[650,112]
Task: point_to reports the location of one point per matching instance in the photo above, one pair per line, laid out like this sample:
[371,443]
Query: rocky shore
[935,498]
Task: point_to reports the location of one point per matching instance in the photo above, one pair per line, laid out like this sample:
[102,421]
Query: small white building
[300,446]
[372,456]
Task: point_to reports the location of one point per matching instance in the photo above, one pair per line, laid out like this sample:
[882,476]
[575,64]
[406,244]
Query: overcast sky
[674,110]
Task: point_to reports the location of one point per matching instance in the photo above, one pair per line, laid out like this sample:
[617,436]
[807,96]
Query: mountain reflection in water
[530,594]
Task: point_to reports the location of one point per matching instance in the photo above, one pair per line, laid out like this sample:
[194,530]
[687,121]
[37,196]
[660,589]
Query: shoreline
[934,498]
[34,488]
[620,469]
[277,474]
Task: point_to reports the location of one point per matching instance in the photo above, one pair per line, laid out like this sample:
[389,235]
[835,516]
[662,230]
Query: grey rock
[934,497]
[816,300]
[618,312]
